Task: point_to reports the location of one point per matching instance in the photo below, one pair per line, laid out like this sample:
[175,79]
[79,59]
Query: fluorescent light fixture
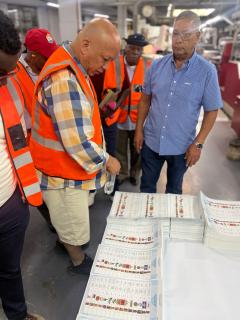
[99,15]
[169,9]
[203,12]
[215,20]
[52,4]
[129,19]
[12,10]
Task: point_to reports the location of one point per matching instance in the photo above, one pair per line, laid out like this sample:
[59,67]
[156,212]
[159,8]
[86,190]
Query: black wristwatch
[198,145]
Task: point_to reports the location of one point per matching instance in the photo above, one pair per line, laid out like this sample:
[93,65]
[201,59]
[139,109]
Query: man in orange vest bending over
[18,180]
[66,141]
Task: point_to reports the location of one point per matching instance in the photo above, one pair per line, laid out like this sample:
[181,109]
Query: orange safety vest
[130,105]
[27,85]
[11,108]
[113,79]
[48,153]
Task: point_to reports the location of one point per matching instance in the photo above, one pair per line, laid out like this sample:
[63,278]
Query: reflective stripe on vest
[134,98]
[11,108]
[27,86]
[46,147]
[114,81]
[119,76]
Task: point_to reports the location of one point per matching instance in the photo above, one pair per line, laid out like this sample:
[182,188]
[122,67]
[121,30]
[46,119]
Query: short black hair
[9,38]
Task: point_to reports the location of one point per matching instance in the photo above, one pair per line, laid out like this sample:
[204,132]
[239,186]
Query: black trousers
[14,218]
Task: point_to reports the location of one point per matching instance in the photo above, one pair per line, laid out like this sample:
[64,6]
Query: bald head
[97,44]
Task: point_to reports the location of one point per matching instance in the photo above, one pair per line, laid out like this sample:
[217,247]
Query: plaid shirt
[62,98]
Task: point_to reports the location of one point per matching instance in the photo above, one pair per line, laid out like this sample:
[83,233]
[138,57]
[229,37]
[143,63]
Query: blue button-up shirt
[176,100]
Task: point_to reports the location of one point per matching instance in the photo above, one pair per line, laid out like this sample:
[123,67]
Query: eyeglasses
[185,35]
[9,74]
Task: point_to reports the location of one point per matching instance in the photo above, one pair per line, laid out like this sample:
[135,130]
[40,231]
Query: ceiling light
[215,20]
[169,9]
[52,4]
[204,12]
[12,10]
[99,15]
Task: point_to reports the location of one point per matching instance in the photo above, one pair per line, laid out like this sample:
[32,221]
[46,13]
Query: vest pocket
[17,137]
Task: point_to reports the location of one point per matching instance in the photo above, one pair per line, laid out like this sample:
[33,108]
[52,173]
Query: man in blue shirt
[175,89]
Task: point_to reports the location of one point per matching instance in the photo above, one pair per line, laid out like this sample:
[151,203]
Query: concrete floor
[56,295]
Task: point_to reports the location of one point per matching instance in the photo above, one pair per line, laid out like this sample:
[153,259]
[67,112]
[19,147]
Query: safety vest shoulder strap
[11,112]
[61,59]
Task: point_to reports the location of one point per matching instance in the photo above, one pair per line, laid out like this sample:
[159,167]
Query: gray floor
[56,295]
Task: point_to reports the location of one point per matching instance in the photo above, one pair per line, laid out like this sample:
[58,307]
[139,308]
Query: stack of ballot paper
[141,235]
[125,280]
[222,230]
[187,229]
[181,215]
[119,298]
[128,205]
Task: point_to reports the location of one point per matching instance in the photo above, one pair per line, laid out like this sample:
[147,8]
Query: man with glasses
[175,88]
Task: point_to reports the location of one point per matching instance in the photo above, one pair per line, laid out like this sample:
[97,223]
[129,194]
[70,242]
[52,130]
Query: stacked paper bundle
[125,280]
[187,229]
[137,235]
[222,230]
[127,263]
[155,205]
[186,220]
[115,298]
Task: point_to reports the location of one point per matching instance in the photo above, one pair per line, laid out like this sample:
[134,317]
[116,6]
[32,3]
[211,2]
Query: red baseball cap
[41,41]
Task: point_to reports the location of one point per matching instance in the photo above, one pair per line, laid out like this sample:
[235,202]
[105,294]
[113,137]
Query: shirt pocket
[189,91]
[184,90]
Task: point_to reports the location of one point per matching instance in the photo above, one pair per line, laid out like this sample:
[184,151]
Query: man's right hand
[138,140]
[113,165]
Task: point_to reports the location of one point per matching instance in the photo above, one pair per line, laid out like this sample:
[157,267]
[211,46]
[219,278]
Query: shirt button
[171,93]
[168,105]
[162,137]
[164,127]
[165,116]
[174,81]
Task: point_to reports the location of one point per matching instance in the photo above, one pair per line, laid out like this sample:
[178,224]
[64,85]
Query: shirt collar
[188,62]
[68,48]
[126,63]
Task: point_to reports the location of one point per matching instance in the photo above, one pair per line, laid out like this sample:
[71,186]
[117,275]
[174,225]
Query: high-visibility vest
[130,105]
[11,108]
[48,153]
[27,86]
[113,79]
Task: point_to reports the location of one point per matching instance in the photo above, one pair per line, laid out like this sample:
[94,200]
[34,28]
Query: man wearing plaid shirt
[71,106]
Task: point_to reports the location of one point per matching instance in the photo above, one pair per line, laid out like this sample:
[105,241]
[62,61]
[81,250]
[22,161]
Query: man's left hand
[192,155]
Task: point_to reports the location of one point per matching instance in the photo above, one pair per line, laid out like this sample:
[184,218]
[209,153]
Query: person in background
[66,140]
[18,180]
[39,45]
[124,74]
[135,68]
[175,88]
